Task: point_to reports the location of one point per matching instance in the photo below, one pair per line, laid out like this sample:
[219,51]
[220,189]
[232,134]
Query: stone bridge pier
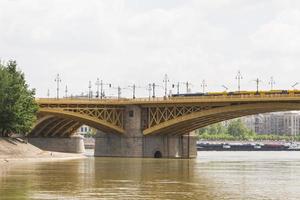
[135,144]
[73,144]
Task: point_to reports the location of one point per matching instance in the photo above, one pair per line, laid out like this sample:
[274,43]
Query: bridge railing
[160,99]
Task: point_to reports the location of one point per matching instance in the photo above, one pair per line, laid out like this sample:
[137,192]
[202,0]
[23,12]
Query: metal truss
[98,116]
[158,115]
[113,116]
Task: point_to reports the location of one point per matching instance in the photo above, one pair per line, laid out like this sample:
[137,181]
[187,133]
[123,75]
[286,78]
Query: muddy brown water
[213,175]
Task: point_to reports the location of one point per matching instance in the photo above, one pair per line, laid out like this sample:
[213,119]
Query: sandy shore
[12,150]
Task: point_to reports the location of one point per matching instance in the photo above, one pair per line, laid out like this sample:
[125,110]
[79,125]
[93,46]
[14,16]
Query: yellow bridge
[172,117]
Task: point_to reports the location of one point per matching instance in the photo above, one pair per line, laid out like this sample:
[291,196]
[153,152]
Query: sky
[125,42]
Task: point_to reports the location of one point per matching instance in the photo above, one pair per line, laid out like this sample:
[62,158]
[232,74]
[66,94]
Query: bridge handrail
[160,99]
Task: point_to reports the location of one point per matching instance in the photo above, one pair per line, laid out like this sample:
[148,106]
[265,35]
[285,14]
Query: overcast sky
[138,41]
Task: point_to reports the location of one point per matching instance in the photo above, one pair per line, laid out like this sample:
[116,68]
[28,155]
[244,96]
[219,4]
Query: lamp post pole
[166,80]
[98,85]
[66,92]
[58,81]
[272,83]
[239,78]
[203,85]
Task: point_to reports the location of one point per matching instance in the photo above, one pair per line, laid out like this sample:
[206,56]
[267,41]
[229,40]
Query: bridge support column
[73,144]
[134,144]
[113,145]
[170,146]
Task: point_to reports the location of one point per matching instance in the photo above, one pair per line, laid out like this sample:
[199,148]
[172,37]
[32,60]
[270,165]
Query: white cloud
[127,41]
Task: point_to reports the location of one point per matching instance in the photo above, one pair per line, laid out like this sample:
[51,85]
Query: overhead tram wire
[225,87]
[133,88]
[177,85]
[100,88]
[119,90]
[153,89]
[294,86]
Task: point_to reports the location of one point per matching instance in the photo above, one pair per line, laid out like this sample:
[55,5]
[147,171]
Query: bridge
[146,127]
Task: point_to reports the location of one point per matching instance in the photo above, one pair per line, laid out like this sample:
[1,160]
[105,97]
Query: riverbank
[247,146]
[12,150]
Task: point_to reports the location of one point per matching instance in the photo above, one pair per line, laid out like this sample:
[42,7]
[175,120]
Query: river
[213,175]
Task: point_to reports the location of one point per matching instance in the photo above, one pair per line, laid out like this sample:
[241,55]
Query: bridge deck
[173,100]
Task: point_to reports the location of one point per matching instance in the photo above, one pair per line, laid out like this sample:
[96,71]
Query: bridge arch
[62,123]
[195,120]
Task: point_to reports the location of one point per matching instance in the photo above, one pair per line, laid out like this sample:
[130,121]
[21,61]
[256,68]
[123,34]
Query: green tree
[237,129]
[17,104]
[91,134]
[213,129]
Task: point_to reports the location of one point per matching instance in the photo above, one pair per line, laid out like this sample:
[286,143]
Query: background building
[281,123]
[84,130]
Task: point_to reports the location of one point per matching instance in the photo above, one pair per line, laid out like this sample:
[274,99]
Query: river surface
[213,175]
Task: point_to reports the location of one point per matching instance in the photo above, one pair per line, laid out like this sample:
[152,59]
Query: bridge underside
[53,126]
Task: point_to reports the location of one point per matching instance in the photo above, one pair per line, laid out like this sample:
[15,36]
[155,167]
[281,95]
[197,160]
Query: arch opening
[157,154]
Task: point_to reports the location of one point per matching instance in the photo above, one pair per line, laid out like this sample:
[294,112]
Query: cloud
[281,35]
[125,42]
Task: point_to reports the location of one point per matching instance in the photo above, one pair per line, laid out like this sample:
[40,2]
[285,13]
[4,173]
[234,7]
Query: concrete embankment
[17,150]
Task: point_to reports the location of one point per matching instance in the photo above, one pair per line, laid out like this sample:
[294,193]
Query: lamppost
[101,84]
[58,81]
[166,80]
[257,81]
[133,87]
[98,85]
[203,85]
[177,85]
[119,89]
[272,82]
[153,89]
[149,90]
[66,92]
[239,77]
[90,90]
[187,84]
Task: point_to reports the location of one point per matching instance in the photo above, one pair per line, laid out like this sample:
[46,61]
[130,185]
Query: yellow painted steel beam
[271,107]
[40,121]
[211,120]
[202,123]
[62,128]
[199,123]
[55,126]
[70,130]
[39,127]
[84,119]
